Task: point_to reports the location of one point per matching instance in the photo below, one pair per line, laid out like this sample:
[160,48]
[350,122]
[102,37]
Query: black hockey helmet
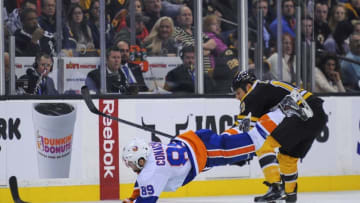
[241,79]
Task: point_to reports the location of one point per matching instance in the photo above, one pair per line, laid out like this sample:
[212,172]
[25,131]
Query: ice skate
[276,193]
[290,106]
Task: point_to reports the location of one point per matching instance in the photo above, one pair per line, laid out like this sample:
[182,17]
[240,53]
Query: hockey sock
[288,170]
[268,161]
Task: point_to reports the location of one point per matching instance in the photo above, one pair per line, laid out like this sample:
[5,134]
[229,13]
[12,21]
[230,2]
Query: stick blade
[14,190]
[87,98]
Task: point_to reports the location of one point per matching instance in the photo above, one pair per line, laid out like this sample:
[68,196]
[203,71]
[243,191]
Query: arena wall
[97,172]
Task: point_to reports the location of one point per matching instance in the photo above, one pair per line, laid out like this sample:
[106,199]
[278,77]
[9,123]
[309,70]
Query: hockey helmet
[137,149]
[241,79]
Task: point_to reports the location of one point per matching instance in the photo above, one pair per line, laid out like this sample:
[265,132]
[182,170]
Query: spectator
[181,79]
[114,82]
[356,25]
[47,19]
[160,41]
[39,81]
[77,33]
[268,41]
[141,30]
[130,71]
[321,26]
[115,9]
[307,29]
[184,35]
[138,6]
[288,19]
[13,22]
[152,9]
[350,71]
[327,77]
[32,39]
[94,24]
[288,61]
[353,9]
[338,14]
[336,43]
[184,30]
[212,30]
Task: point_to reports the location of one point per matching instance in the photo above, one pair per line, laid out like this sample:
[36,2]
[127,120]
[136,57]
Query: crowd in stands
[166,28]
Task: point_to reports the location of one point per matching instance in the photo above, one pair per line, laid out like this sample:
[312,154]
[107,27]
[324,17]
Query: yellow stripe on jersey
[305,94]
[253,119]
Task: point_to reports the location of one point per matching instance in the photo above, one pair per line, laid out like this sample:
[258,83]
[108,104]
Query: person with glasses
[39,81]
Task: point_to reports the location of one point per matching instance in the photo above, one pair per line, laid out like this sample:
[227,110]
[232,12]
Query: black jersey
[265,95]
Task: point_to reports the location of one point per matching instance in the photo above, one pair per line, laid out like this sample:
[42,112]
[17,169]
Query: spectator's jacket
[323,85]
[46,24]
[321,32]
[24,46]
[352,12]
[180,80]
[351,72]
[285,27]
[47,86]
[116,82]
[219,49]
[13,22]
[95,32]
[268,40]
[69,41]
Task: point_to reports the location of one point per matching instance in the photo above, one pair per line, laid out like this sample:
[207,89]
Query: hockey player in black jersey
[293,136]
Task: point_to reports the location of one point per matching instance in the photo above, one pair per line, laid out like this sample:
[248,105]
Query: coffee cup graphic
[54,126]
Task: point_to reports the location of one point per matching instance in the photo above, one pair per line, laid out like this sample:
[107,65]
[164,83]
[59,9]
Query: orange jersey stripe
[267,123]
[231,153]
[231,131]
[135,194]
[197,147]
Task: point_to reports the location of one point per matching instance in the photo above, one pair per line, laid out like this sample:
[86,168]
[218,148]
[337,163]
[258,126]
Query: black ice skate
[290,107]
[275,193]
[292,197]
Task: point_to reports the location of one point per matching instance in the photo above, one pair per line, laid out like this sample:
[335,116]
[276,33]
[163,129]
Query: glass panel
[156,44]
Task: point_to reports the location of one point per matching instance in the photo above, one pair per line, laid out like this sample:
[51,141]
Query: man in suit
[132,72]
[181,79]
[268,41]
[115,83]
[39,83]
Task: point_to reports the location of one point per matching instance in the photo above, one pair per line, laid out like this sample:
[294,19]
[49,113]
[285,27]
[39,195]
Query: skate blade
[278,201]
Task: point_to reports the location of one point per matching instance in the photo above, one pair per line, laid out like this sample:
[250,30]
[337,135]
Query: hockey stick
[14,190]
[86,96]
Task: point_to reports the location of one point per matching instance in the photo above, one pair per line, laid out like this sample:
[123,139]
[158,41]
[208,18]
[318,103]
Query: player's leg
[226,149]
[289,174]
[270,167]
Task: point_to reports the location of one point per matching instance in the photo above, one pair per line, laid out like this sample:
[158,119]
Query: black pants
[296,136]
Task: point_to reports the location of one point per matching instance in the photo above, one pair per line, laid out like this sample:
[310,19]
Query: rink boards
[96,171]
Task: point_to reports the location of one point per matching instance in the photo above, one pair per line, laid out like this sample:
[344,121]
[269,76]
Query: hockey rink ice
[308,197]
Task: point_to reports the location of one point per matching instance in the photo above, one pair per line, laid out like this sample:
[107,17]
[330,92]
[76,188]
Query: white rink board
[335,157]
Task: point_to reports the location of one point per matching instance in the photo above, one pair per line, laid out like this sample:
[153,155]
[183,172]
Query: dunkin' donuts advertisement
[44,138]
[53,130]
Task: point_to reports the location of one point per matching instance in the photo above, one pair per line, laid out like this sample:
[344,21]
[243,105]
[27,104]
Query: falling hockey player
[166,167]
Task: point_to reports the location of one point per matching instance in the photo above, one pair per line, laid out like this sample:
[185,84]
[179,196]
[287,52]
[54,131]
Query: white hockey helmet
[134,151]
